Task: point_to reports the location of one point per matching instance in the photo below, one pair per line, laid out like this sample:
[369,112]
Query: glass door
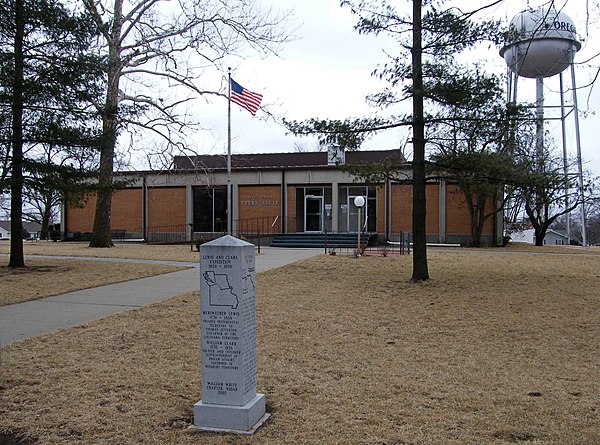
[353,215]
[313,213]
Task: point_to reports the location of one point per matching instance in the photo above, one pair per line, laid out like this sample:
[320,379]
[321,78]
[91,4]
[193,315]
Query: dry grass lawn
[46,277]
[120,250]
[497,348]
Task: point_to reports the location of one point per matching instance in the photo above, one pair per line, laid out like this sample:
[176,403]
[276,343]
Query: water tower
[542,43]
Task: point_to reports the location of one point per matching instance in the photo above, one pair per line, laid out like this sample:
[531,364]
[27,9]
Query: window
[210,209]
[348,212]
[313,209]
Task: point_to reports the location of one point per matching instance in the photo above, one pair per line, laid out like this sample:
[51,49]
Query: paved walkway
[24,320]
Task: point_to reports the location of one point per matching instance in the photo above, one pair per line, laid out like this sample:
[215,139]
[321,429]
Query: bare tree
[544,189]
[153,46]
[54,172]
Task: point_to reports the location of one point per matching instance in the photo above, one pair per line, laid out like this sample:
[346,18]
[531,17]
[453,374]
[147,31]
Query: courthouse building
[278,193]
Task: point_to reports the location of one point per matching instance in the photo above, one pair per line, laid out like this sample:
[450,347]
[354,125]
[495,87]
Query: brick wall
[258,206]
[457,214]
[291,209]
[401,213]
[166,206]
[381,209]
[81,219]
[126,212]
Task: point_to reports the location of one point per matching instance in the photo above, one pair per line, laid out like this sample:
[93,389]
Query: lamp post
[359,202]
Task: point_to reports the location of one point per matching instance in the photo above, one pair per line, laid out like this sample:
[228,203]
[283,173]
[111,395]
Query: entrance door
[353,215]
[313,213]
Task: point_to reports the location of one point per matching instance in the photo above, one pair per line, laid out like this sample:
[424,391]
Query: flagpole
[229,188]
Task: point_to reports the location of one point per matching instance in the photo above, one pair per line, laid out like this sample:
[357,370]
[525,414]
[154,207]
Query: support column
[579,163]
[189,212]
[145,209]
[539,111]
[284,200]
[565,156]
[335,200]
[442,212]
[388,209]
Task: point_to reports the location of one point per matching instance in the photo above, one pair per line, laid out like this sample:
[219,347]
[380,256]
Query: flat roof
[281,160]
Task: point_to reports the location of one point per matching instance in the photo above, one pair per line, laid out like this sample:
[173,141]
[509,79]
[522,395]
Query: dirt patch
[496,349]
[15,438]
[46,277]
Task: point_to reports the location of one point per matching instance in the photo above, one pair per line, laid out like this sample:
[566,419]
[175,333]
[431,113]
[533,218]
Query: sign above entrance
[251,202]
[259,200]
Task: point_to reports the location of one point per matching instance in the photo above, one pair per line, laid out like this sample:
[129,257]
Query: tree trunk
[16,185]
[540,231]
[101,232]
[420,271]
[481,203]
[46,214]
[539,240]
[472,215]
[539,228]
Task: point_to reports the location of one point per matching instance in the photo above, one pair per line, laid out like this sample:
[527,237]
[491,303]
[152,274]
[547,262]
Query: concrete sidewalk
[24,320]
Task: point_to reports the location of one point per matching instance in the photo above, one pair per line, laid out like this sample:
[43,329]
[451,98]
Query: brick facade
[259,201]
[401,208]
[126,212]
[291,209]
[166,207]
[381,209]
[457,214]
[258,207]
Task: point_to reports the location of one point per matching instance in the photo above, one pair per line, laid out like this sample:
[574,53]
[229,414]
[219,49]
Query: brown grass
[495,349]
[120,250]
[46,277]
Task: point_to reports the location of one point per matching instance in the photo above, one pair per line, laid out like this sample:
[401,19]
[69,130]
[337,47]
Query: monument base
[233,419]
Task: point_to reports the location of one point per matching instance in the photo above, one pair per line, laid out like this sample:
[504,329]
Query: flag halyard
[245,98]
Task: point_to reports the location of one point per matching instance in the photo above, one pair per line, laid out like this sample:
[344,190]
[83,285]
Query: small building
[4,230]
[278,193]
[527,235]
[30,229]
[555,237]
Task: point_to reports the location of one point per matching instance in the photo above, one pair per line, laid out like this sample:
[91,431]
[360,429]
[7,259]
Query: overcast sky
[326,73]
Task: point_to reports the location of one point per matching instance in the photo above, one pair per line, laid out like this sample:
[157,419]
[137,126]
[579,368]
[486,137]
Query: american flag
[245,98]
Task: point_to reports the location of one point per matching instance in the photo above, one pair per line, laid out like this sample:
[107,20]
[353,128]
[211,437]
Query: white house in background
[31,228]
[553,237]
[4,229]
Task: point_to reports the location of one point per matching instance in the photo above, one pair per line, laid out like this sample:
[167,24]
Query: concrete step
[313,240]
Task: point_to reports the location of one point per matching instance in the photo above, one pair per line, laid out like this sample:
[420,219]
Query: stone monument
[228,337]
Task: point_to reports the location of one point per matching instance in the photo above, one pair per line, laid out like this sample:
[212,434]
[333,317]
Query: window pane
[220,210]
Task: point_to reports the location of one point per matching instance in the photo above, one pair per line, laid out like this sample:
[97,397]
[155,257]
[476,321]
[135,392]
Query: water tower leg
[579,164]
[539,111]
[515,83]
[565,156]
